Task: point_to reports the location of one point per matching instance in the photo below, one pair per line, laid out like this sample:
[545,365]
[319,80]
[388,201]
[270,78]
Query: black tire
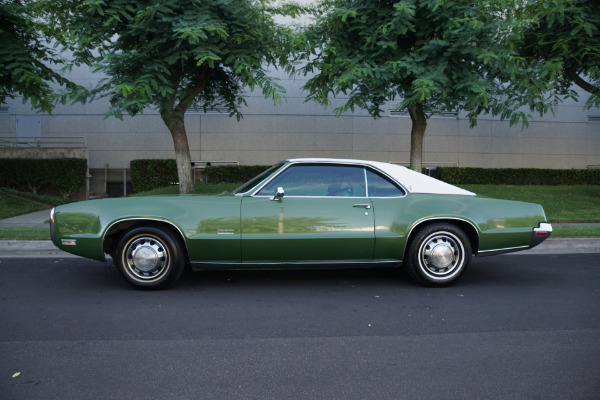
[438,255]
[149,258]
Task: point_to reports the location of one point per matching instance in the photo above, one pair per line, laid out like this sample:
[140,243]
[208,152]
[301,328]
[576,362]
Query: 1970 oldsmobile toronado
[303,212]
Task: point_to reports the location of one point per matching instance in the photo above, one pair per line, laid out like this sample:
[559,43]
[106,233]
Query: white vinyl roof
[413,181]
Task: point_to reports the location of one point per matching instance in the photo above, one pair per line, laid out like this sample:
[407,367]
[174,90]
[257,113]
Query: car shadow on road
[298,277]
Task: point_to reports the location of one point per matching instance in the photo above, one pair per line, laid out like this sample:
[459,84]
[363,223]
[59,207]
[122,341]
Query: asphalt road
[515,327]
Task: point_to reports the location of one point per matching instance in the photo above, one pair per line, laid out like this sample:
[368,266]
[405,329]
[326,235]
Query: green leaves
[564,35]
[432,56]
[27,59]
[439,54]
[175,54]
[171,55]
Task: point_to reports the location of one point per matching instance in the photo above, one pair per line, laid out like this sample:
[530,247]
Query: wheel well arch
[467,227]
[117,229]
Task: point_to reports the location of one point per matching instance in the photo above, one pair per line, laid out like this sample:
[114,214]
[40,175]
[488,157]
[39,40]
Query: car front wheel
[438,255]
[149,258]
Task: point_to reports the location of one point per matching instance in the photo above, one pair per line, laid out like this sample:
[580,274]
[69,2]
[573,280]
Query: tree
[566,34]
[175,54]
[429,55]
[26,57]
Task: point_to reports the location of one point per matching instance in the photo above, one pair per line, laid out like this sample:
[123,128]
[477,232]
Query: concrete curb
[565,246]
[46,249]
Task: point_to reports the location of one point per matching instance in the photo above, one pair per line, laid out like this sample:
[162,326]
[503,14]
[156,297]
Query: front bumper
[540,234]
[52,226]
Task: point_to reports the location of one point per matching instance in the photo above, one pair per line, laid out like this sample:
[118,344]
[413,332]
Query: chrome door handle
[367,206]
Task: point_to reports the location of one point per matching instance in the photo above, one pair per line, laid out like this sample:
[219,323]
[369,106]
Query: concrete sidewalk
[38,219]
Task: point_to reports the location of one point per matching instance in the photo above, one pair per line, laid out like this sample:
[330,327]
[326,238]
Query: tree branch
[579,81]
[199,85]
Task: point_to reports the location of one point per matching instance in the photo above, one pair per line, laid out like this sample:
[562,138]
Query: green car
[303,212]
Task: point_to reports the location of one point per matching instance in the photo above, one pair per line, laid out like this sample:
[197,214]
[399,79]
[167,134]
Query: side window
[319,181]
[380,186]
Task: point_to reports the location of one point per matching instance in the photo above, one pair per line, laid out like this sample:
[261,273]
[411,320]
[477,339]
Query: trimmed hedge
[152,174]
[149,174]
[518,176]
[64,175]
[233,173]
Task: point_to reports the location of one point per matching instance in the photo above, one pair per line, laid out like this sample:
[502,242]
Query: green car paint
[210,225]
[249,228]
[298,229]
[235,229]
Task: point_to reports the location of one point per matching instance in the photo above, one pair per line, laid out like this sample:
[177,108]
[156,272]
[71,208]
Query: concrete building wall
[269,133]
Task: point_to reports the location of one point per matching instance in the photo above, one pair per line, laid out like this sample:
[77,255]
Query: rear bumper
[541,233]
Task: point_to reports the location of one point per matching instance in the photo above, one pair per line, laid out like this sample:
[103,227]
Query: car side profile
[302,213]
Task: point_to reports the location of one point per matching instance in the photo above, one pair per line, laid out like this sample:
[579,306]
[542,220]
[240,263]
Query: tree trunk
[417,132]
[182,157]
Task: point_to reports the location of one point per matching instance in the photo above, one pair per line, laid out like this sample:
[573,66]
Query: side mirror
[279,194]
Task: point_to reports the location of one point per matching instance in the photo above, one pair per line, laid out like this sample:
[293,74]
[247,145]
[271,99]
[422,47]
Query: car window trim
[264,183]
[265,180]
[253,192]
[362,166]
[402,188]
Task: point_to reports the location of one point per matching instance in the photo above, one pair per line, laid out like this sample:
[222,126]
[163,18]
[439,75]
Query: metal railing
[36,141]
[199,168]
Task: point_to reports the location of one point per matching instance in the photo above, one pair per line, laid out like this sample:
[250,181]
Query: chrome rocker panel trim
[202,266]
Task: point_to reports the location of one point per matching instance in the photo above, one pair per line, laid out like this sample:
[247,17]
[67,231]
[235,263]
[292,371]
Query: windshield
[257,179]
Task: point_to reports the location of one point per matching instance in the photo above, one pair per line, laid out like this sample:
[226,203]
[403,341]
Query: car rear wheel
[149,258]
[438,255]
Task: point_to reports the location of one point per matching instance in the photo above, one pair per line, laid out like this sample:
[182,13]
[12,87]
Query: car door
[323,215]
[392,219]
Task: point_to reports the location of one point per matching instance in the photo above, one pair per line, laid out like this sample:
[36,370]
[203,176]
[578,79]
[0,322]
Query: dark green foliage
[518,176]
[233,173]
[425,57]
[564,37]
[26,57]
[174,55]
[151,174]
[64,175]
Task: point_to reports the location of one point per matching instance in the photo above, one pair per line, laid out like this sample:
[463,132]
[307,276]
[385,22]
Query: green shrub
[518,176]
[64,175]
[151,174]
[233,173]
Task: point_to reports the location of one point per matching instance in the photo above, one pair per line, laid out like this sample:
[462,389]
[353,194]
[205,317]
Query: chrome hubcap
[146,258]
[441,255]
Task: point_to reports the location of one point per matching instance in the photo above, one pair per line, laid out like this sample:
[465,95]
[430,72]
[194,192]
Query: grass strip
[18,233]
[575,231]
[577,203]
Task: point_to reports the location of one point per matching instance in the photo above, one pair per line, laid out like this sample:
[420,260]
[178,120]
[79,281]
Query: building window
[213,110]
[594,119]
